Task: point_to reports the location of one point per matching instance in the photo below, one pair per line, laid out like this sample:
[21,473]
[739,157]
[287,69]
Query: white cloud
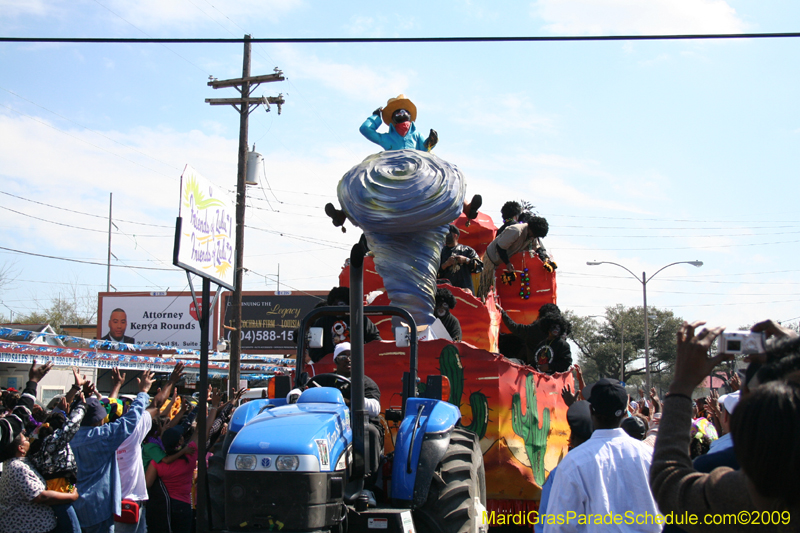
[157,14]
[77,169]
[356,82]
[13,8]
[599,17]
[503,113]
[361,25]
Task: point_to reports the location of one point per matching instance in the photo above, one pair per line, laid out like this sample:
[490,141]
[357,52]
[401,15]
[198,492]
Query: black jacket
[538,350]
[460,275]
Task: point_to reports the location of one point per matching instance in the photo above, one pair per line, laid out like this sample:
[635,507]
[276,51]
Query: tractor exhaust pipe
[360,443]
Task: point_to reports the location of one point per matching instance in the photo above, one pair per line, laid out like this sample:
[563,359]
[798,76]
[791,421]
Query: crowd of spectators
[94,463]
[692,462]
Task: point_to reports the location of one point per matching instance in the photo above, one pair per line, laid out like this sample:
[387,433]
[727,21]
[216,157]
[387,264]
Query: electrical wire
[75,227]
[330,244]
[87,262]
[83,212]
[145,33]
[679,247]
[342,40]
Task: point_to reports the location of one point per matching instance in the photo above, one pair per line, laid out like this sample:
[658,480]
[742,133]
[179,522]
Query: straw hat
[401,102]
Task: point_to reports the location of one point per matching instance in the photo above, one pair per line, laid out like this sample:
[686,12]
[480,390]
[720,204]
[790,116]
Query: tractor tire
[459,479]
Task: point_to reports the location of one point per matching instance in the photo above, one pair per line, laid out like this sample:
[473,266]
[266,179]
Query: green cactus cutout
[527,427]
[480,414]
[450,367]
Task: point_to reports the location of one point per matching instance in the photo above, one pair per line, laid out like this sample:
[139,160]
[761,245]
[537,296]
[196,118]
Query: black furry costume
[537,351]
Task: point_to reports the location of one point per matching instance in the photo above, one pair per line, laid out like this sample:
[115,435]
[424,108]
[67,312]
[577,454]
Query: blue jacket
[391,140]
[95,449]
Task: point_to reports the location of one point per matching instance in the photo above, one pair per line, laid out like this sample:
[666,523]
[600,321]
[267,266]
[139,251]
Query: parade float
[403,199]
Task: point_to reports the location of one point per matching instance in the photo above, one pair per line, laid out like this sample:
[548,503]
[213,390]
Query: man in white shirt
[603,485]
[129,459]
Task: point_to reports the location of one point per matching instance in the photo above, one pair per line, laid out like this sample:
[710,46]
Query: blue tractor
[307,466]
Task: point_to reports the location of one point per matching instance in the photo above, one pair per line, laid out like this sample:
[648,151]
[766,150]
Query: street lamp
[644,281]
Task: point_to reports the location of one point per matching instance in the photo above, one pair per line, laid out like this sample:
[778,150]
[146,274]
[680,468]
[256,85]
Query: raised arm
[369,128]
[117,379]
[76,387]
[515,328]
[35,375]
[655,400]
[163,394]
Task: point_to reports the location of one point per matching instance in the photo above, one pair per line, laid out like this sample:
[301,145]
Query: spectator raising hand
[36,373]
[692,363]
[146,381]
[117,380]
[568,397]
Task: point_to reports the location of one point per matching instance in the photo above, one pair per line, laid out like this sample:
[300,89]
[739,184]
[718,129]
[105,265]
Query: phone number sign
[269,319]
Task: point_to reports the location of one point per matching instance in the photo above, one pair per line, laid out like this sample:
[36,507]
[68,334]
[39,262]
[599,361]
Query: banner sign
[205,232]
[269,320]
[25,354]
[170,319]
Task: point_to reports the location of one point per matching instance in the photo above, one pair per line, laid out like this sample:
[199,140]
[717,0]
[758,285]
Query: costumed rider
[445,301]
[510,212]
[515,238]
[399,114]
[336,329]
[458,262]
[372,394]
[546,347]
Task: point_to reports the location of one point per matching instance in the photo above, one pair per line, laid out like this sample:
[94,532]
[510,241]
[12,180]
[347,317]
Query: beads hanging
[525,285]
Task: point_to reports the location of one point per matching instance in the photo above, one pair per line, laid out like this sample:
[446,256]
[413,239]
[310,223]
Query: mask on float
[401,119]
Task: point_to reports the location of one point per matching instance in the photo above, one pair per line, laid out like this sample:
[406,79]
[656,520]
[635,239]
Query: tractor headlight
[245,462]
[287,462]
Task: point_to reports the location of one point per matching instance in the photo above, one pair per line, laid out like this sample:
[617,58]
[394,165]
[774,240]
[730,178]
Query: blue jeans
[67,519]
[106,526]
[139,527]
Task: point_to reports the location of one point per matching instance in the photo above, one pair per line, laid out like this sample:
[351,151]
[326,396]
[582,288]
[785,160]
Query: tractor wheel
[458,480]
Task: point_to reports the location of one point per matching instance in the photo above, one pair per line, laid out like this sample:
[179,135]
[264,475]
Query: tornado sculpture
[404,201]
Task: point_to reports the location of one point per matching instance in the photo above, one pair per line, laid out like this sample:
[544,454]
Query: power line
[145,33]
[681,292]
[83,212]
[682,247]
[86,262]
[70,225]
[698,305]
[564,274]
[273,278]
[329,244]
[341,40]
[551,235]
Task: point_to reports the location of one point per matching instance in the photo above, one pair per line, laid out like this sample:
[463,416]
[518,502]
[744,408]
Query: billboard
[204,236]
[168,318]
[269,318]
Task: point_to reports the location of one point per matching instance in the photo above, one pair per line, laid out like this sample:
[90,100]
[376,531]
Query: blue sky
[640,153]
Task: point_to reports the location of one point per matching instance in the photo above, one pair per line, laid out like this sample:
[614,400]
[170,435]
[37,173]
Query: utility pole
[622,357]
[244,105]
[108,273]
